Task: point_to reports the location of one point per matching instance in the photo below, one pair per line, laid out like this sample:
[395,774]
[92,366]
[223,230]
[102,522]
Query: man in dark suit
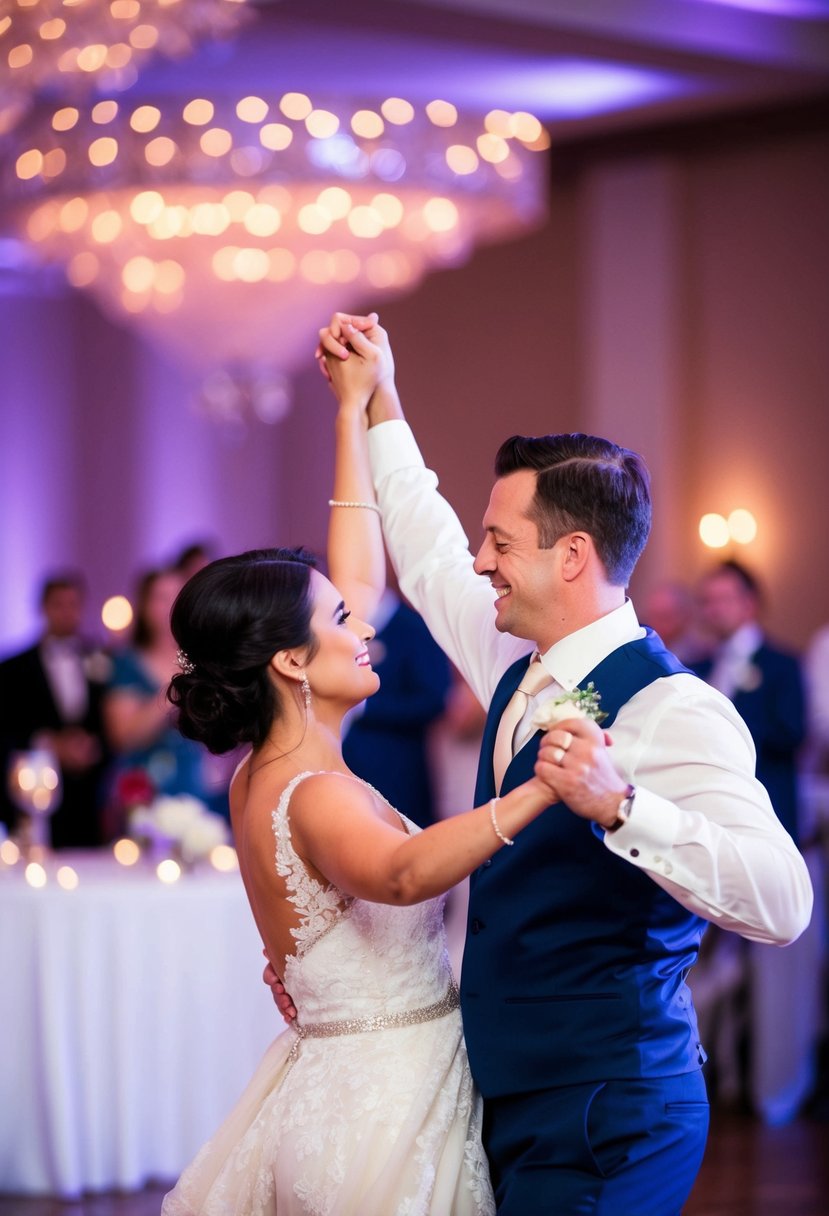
[386,743]
[50,697]
[764,681]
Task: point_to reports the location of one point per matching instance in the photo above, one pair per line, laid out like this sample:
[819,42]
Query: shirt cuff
[391,447]
[648,837]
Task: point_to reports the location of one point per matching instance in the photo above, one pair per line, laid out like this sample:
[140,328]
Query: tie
[535,678]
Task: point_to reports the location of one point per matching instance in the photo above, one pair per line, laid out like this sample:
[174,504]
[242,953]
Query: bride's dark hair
[230,619]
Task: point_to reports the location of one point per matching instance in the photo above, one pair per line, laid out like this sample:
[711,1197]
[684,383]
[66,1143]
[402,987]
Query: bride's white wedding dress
[368,1109]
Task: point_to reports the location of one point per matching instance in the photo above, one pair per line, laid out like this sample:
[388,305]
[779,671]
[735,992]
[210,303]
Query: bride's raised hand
[353,380]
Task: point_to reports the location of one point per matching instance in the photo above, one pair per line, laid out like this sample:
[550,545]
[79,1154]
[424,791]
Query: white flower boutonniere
[580,703]
[750,678]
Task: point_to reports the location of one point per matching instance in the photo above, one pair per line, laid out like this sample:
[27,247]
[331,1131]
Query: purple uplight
[575,87]
[780,8]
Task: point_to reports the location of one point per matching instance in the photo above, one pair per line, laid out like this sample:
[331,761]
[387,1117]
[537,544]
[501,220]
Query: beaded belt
[380,1021]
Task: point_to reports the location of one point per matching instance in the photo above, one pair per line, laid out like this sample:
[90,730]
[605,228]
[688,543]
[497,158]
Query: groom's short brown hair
[586,484]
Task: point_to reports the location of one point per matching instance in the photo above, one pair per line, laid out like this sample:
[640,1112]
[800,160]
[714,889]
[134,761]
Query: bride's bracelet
[504,839]
[369,506]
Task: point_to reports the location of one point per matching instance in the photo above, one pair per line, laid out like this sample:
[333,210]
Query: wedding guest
[579,1024]
[669,609]
[386,740]
[140,722]
[765,683]
[194,556]
[50,697]
[763,680]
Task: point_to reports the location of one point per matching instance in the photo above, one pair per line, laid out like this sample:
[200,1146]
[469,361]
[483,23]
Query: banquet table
[132,1014]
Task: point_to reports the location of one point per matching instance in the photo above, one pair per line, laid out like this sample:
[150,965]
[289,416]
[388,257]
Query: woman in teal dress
[152,757]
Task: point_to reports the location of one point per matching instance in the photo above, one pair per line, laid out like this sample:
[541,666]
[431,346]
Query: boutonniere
[580,703]
[750,678]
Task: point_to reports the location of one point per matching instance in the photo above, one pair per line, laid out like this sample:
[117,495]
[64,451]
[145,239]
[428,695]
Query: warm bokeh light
[224,858]
[442,113]
[322,124]
[9,853]
[492,148]
[367,124]
[252,109]
[117,614]
[106,111]
[335,201]
[462,159]
[525,127]
[742,525]
[198,112]
[397,111]
[275,136]
[67,878]
[65,119]
[713,531]
[296,106]
[145,118]
[126,851]
[35,874]
[103,151]
[168,871]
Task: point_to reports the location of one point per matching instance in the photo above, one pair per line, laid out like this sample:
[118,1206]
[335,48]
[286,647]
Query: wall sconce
[716,531]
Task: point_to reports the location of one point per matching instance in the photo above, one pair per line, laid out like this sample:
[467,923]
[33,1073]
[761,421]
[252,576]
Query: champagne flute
[35,787]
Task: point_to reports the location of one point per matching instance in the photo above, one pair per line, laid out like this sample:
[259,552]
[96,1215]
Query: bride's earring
[306,692]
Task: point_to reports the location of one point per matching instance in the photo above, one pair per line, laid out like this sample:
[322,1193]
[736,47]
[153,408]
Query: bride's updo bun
[230,619]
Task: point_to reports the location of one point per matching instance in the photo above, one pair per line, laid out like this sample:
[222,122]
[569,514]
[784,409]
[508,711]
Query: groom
[580,1028]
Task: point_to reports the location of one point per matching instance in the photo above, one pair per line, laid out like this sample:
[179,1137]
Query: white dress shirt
[702,826]
[63,663]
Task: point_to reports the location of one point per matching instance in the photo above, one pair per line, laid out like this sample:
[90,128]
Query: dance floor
[749,1170]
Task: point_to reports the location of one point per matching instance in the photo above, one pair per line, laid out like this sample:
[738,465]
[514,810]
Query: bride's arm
[356,559]
[337,830]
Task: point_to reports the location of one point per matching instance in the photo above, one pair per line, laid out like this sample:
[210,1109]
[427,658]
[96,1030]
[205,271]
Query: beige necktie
[535,678]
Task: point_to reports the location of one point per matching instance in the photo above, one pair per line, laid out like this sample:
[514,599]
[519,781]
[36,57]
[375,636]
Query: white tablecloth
[131,1013]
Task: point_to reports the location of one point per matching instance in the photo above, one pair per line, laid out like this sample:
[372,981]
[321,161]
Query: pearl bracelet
[369,506]
[498,832]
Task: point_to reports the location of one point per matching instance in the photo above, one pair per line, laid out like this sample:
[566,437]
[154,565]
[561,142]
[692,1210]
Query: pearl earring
[306,692]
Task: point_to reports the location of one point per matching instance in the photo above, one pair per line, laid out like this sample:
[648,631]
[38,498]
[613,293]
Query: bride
[365,1105]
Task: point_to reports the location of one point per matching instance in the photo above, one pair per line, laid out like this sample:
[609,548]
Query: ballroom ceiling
[584,67]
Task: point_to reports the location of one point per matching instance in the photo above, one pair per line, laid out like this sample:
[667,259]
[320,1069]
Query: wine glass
[35,787]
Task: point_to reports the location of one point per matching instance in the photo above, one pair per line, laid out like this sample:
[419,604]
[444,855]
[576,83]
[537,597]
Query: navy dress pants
[613,1148]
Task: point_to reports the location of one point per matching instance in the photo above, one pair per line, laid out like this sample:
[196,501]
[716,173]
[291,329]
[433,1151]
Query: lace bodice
[355,958]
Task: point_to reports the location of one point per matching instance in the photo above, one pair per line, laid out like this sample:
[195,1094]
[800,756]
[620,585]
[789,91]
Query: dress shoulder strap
[319,906]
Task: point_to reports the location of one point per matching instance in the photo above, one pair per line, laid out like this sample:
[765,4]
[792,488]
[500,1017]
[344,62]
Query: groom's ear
[577,549]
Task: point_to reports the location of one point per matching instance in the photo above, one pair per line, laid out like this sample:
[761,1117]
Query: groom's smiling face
[525,578]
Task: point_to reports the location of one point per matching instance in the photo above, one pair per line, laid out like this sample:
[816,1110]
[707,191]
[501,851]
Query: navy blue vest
[575,961]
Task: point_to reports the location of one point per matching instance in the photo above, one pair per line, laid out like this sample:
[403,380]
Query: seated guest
[140,722]
[50,697]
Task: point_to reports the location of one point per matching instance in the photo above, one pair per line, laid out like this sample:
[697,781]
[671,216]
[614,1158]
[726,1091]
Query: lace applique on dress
[372,1110]
[320,907]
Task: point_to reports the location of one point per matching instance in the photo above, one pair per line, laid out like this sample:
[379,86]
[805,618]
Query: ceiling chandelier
[71,45]
[227,228]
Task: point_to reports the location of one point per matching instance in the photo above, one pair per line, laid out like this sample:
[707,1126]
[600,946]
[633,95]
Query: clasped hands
[354,356]
[574,766]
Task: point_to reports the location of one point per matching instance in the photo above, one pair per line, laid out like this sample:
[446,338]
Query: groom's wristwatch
[623,810]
